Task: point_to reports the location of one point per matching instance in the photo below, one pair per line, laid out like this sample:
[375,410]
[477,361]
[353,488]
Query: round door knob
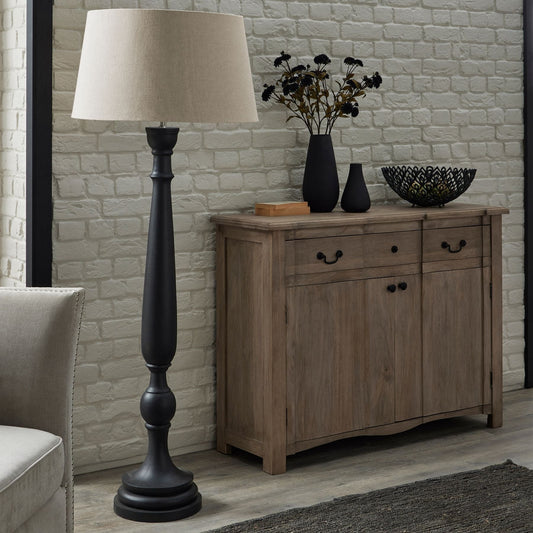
[394,249]
[402,285]
[391,288]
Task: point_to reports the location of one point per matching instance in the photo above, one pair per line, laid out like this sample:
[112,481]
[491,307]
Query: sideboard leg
[495,420]
[275,464]
[224,448]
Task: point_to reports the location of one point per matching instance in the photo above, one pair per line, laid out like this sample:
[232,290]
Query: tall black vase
[321,182]
[355,198]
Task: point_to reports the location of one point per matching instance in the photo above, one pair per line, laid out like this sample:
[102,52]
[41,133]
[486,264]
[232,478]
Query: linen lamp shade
[164,66]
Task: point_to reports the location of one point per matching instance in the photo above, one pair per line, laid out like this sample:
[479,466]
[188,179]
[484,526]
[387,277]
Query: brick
[221,139]
[272,139]
[93,163]
[226,159]
[402,66]
[312,28]
[478,35]
[412,15]
[437,33]
[441,133]
[274,28]
[480,5]
[509,6]
[440,67]
[71,230]
[383,14]
[298,10]
[361,31]
[401,134]
[406,32]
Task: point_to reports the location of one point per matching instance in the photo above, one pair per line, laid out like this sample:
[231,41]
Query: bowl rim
[426,167]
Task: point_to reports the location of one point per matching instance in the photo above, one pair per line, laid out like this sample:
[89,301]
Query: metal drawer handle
[394,249]
[462,244]
[391,288]
[402,285]
[322,257]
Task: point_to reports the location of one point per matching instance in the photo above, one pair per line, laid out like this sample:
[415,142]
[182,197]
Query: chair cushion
[31,470]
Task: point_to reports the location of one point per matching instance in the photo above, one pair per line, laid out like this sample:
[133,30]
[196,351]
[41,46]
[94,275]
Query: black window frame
[39,212]
[528,189]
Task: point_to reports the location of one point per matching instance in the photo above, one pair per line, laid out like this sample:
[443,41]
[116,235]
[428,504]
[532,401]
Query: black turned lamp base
[147,508]
[158,491]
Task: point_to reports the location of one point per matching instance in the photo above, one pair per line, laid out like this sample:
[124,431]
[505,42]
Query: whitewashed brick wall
[452,95]
[12,142]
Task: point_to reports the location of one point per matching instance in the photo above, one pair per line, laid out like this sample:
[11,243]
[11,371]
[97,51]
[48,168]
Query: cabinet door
[392,361]
[354,356]
[407,348]
[453,359]
[325,326]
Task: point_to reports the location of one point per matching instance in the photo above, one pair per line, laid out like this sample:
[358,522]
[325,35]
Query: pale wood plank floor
[234,488]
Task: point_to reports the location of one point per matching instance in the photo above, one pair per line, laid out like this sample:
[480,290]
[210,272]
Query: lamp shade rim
[145,9]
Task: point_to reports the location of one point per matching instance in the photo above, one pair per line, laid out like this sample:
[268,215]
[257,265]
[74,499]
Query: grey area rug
[496,499]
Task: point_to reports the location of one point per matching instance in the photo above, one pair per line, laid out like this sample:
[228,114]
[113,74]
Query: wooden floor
[234,488]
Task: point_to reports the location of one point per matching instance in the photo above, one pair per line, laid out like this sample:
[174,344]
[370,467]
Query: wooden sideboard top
[376,214]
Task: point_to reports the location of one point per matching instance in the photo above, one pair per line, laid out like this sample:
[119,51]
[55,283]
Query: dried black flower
[377,80]
[369,82]
[267,93]
[290,88]
[352,61]
[286,81]
[355,111]
[282,57]
[322,59]
[297,68]
[307,80]
[347,108]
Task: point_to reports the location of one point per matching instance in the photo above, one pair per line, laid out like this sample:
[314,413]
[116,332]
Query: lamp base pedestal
[183,502]
[158,491]
[140,515]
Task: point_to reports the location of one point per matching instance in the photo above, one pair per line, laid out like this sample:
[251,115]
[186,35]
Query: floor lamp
[162,66]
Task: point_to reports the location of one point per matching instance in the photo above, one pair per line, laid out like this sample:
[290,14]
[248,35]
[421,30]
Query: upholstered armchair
[39,330]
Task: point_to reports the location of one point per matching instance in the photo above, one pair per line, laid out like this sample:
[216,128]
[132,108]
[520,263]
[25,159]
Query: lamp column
[158,491]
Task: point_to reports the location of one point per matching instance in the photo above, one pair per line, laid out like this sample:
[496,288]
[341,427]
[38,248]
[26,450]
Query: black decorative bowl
[428,186]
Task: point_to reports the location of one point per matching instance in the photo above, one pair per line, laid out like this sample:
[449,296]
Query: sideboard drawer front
[389,249]
[309,256]
[445,244]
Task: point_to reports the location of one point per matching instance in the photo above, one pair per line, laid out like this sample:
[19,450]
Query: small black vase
[355,197]
[321,181]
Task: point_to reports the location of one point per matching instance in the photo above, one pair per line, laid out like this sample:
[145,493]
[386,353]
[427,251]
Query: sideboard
[336,325]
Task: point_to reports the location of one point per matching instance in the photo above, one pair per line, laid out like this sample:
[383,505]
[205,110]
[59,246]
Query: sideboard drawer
[311,256]
[445,244]
[390,249]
